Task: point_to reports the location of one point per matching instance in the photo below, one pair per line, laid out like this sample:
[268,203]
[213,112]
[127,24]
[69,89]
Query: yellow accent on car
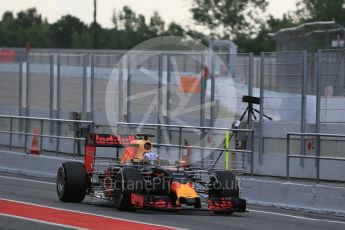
[185,191]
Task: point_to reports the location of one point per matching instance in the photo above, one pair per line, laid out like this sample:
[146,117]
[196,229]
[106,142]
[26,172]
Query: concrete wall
[40,166]
[311,197]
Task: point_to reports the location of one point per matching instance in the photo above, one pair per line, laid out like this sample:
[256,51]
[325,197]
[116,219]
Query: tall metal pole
[95,24]
[168,89]
[318,111]
[303,104]
[262,88]
[84,93]
[128,119]
[20,86]
[51,94]
[92,89]
[250,93]
[213,82]
[27,99]
[120,88]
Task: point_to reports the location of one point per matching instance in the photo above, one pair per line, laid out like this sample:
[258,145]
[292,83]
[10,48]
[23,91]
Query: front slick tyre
[223,184]
[71,182]
[128,181]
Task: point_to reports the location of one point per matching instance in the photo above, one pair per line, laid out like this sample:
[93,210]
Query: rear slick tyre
[71,182]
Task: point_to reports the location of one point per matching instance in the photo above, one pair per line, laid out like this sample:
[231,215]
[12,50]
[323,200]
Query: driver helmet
[151,156]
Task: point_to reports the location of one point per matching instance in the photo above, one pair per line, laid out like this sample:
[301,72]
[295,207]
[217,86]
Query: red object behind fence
[8,56]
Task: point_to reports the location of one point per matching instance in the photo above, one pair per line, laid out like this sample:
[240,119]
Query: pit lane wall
[285,194]
[279,193]
[32,165]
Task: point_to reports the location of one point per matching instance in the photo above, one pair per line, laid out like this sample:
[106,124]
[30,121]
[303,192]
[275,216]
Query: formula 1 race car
[139,179]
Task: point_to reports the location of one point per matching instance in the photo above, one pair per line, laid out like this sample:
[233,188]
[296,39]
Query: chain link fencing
[303,92]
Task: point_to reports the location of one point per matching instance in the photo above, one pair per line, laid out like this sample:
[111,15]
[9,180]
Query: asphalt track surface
[38,191]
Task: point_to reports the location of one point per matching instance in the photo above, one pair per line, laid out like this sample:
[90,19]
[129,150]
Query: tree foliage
[240,20]
[61,32]
[321,10]
[27,26]
[69,32]
[228,18]
[262,41]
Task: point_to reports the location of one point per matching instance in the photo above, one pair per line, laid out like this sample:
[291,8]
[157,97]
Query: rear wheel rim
[61,181]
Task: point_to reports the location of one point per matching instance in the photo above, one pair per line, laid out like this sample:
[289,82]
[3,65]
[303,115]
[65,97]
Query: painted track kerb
[41,221]
[86,213]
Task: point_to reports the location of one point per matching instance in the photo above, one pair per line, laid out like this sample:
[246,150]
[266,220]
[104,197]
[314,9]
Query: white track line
[86,213]
[28,180]
[41,221]
[296,217]
[293,183]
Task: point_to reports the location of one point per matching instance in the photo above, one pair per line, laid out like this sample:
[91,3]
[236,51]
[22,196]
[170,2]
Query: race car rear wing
[103,140]
[109,140]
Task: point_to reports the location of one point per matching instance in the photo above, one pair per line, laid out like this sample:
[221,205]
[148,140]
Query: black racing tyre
[128,180]
[223,184]
[71,182]
[223,212]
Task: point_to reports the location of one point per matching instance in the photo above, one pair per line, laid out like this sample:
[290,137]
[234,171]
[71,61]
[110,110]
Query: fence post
[250,93]
[120,66]
[159,98]
[51,92]
[180,143]
[261,139]
[27,101]
[128,88]
[84,83]
[287,156]
[318,110]
[58,98]
[20,86]
[58,86]
[202,94]
[303,105]
[252,154]
[41,133]
[20,93]
[318,168]
[202,145]
[74,145]
[213,82]
[202,106]
[58,129]
[168,89]
[92,90]
[11,130]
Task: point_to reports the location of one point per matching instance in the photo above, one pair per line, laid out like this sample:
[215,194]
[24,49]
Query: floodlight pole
[95,24]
